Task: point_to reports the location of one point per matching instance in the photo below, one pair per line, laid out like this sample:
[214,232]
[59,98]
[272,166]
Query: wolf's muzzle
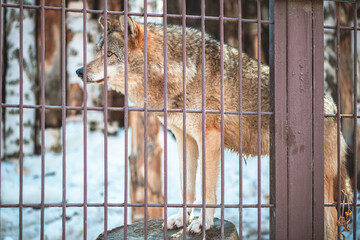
[80,72]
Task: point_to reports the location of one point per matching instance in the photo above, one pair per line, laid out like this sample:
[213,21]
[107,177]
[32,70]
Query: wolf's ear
[133,27]
[111,24]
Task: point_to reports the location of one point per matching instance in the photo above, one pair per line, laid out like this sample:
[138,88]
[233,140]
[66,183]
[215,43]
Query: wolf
[193,100]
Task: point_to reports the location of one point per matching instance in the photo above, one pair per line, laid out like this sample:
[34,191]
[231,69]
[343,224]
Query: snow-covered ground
[95,188]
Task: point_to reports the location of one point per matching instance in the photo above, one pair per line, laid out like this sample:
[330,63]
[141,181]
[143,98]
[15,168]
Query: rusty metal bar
[1,87]
[79,10]
[355,139]
[21,120]
[240,118]
[222,157]
[50,205]
[126,117]
[145,120]
[7,105]
[203,119]
[42,77]
[63,115]
[338,105]
[85,116]
[259,115]
[105,124]
[318,120]
[165,120]
[183,24]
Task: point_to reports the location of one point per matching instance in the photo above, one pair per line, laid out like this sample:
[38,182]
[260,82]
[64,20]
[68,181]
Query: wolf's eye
[109,54]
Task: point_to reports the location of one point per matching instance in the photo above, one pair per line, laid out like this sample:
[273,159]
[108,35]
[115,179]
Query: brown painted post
[299,46]
[136,122]
[297,166]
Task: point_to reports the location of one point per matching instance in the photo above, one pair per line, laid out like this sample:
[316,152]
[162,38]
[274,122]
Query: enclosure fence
[296,203]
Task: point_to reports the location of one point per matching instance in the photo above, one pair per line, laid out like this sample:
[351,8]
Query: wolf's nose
[80,72]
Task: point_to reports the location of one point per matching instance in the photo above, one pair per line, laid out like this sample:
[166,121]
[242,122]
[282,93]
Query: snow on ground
[95,188]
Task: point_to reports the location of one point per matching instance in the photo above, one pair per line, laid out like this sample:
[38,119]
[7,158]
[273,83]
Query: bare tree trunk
[52,76]
[74,25]
[137,146]
[12,80]
[137,165]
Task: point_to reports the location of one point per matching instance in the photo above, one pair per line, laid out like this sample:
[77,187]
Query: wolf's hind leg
[192,154]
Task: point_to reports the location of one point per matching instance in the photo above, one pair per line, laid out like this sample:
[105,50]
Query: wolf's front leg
[212,159]
[192,154]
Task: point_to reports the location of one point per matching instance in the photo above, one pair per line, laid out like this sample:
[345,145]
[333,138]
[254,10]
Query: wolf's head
[115,52]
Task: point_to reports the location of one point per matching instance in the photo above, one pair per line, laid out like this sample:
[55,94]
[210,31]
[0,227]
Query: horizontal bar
[80,10]
[341,27]
[52,107]
[50,205]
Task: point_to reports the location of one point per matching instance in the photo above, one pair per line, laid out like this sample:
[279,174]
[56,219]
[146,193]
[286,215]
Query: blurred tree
[11,79]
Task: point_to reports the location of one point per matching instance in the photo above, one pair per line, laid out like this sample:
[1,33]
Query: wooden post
[136,122]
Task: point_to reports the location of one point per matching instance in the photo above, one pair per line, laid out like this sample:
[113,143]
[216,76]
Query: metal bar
[299,75]
[318,120]
[126,118]
[338,105]
[259,115]
[222,115]
[21,121]
[85,115]
[240,118]
[6,105]
[165,120]
[63,115]
[178,205]
[1,88]
[355,139]
[42,77]
[105,123]
[184,114]
[203,119]
[145,121]
[79,10]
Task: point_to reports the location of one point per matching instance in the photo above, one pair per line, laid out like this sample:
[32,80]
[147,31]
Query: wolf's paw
[195,226]
[176,221]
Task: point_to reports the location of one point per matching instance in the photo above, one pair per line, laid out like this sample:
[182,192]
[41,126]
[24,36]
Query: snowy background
[95,184]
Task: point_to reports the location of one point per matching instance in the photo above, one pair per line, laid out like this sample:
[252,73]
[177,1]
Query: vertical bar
[318,119]
[85,114]
[63,116]
[222,115]
[355,140]
[203,119]
[105,124]
[278,155]
[240,117]
[145,122]
[1,86]
[338,105]
[21,115]
[184,113]
[42,77]
[259,114]
[299,75]
[165,118]
[126,118]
